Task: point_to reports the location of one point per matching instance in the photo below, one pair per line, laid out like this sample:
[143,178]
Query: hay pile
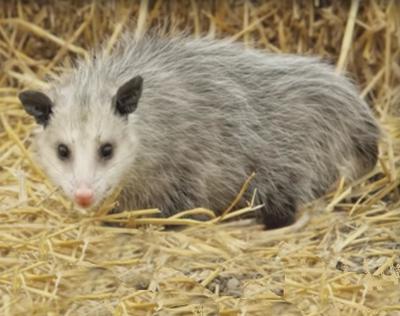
[342,256]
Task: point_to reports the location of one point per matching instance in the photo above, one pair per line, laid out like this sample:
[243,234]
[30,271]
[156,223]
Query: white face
[92,157]
[86,143]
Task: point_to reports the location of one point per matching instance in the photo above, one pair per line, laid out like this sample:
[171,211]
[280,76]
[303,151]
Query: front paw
[112,221]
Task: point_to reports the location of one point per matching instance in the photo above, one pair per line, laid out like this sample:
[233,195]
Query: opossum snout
[84,196]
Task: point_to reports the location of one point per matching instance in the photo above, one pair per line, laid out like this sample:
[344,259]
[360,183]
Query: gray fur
[211,113]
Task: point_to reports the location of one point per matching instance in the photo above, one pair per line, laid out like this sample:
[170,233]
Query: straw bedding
[340,258]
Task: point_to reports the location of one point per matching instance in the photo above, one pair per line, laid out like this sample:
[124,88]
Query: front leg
[115,210]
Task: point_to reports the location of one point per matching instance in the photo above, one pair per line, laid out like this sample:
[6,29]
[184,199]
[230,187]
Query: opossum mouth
[98,205]
[85,207]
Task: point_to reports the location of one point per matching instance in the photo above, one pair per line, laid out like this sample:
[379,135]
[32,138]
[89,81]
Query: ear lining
[127,97]
[37,104]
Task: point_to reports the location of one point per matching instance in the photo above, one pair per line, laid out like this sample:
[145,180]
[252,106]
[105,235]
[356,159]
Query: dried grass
[340,258]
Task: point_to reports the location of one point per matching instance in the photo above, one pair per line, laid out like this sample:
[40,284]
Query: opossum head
[85,141]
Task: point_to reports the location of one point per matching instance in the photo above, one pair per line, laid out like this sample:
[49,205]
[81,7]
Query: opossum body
[182,123]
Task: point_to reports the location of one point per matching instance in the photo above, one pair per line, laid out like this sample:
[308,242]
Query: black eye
[63,152]
[106,151]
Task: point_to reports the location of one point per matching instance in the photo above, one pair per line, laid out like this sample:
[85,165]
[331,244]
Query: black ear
[37,104]
[127,97]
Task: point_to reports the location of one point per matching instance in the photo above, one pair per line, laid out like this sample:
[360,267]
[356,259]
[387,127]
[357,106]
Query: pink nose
[84,196]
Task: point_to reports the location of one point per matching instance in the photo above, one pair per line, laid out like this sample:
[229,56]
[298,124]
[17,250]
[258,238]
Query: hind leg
[278,211]
[367,156]
[366,147]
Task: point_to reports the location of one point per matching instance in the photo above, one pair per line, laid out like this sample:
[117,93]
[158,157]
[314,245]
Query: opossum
[182,123]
